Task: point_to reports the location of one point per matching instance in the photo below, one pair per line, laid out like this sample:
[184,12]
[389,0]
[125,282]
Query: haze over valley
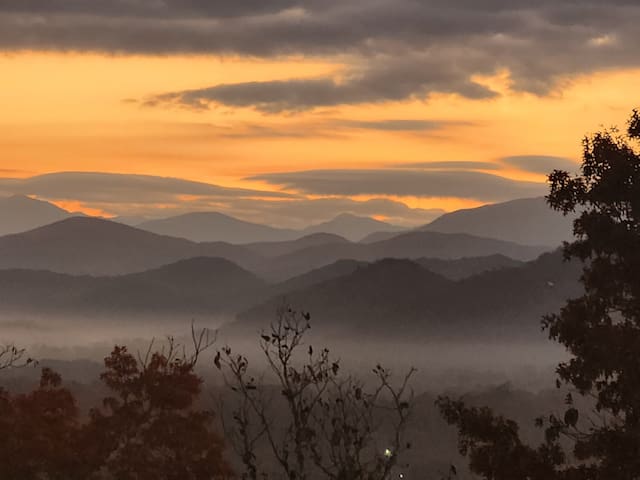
[406,287]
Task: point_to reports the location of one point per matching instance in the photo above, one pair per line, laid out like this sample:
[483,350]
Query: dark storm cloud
[394,49]
[543,164]
[421,183]
[120,188]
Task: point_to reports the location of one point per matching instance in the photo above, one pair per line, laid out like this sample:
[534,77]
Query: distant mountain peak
[18,197]
[214,226]
[19,213]
[347,216]
[528,221]
[207,214]
[352,216]
[352,227]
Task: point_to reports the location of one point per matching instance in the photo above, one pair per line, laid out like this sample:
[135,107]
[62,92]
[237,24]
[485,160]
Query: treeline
[306,420]
[147,427]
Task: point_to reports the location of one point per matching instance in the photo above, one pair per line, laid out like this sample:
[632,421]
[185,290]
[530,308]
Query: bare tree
[331,425]
[13,357]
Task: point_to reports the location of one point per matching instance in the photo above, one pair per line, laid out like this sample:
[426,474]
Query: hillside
[460,268]
[275,249]
[317,276]
[362,302]
[199,285]
[84,245]
[399,298]
[528,221]
[412,245]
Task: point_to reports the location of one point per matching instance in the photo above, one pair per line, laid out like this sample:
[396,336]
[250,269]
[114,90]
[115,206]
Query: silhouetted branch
[14,357]
[330,423]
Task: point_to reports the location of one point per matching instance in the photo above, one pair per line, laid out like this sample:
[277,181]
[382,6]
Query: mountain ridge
[396,297]
[528,221]
[19,213]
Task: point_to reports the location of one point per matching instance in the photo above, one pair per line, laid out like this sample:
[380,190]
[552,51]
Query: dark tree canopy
[39,433]
[148,428]
[601,331]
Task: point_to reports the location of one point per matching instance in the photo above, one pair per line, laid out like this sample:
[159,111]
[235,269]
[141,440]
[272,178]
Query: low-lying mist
[462,364]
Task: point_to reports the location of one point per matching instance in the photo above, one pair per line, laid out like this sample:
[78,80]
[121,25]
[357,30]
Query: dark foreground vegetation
[147,427]
[601,330]
[314,423]
[303,418]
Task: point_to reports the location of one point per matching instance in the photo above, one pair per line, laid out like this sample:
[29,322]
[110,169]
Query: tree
[150,429]
[326,425]
[601,329]
[40,433]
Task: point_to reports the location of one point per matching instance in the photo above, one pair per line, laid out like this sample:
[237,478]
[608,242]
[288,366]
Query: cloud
[327,128]
[450,165]
[405,182]
[394,49]
[543,164]
[149,8]
[147,196]
[300,213]
[397,125]
[388,79]
[106,188]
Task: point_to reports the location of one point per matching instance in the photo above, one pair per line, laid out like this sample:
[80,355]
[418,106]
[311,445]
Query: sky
[290,112]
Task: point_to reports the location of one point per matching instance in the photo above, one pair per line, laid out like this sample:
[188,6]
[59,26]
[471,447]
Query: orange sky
[83,112]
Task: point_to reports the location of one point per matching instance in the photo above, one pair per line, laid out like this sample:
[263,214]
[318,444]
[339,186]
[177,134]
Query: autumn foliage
[147,428]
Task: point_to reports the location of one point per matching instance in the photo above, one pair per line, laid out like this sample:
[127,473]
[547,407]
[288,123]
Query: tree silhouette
[40,433]
[13,357]
[150,428]
[332,425]
[601,331]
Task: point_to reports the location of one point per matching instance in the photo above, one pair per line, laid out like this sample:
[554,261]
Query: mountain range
[400,298]
[201,285]
[195,285]
[384,299]
[86,245]
[411,245]
[352,227]
[468,271]
[214,226]
[524,221]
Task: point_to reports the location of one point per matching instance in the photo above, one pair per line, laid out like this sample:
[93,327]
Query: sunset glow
[80,110]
